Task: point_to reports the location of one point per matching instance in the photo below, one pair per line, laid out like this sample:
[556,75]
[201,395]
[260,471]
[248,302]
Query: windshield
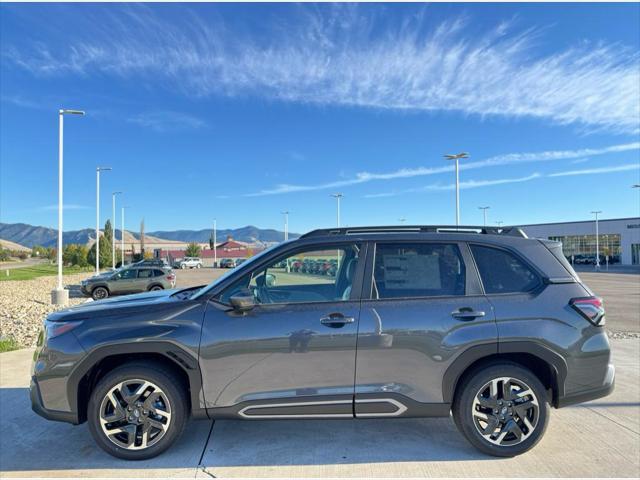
[245,265]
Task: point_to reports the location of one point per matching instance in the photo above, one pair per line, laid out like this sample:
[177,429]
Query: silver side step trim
[243,412]
[401,408]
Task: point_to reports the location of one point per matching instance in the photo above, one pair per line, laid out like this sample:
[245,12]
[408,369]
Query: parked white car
[188,262]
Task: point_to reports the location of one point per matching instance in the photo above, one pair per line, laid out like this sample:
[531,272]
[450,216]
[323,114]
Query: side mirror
[270,280]
[243,302]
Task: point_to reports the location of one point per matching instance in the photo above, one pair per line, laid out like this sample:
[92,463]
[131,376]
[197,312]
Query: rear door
[125,281]
[422,307]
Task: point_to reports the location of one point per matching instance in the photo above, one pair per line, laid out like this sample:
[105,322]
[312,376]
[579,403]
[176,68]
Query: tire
[168,401]
[99,293]
[183,266]
[155,288]
[512,433]
[198,265]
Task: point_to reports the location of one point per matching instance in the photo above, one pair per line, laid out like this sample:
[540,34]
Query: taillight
[591,308]
[171,277]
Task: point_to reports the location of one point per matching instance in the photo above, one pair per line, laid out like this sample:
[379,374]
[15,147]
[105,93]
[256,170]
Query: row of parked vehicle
[314,267]
[591,259]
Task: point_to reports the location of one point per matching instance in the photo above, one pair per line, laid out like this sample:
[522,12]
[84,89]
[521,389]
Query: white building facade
[619,238]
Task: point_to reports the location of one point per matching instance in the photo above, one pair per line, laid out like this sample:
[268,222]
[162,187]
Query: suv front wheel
[501,409]
[137,411]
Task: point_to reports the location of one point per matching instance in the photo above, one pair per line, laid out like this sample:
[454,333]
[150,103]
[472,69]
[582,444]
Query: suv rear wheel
[501,409]
[137,411]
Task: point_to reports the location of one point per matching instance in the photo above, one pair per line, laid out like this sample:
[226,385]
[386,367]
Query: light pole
[499,223]
[113,229]
[122,234]
[596,213]
[484,215]
[286,225]
[337,196]
[215,243]
[457,158]
[98,170]
[60,296]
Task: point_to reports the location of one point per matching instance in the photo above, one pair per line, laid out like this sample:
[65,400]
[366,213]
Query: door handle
[336,320]
[466,313]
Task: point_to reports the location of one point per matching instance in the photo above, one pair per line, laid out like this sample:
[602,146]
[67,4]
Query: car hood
[114,306]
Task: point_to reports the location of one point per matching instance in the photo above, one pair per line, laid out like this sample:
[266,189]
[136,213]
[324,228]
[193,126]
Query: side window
[145,273]
[158,273]
[404,270]
[307,276]
[502,272]
[128,274]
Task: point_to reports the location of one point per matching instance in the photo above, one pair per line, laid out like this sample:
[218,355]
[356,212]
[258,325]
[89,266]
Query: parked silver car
[188,262]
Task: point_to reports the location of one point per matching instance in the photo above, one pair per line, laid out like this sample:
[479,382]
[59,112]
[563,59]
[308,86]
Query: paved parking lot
[597,439]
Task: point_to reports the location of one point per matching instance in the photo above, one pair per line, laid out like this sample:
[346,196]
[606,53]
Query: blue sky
[238,112]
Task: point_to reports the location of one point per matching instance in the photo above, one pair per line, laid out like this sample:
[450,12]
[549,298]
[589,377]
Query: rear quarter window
[503,272]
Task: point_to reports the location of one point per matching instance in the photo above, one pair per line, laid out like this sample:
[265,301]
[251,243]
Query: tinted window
[145,273]
[418,270]
[308,276]
[127,274]
[502,272]
[158,273]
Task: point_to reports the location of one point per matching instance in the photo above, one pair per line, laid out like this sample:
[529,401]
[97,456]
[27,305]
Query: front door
[294,353]
[124,281]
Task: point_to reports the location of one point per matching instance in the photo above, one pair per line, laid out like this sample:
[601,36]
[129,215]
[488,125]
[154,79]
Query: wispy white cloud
[498,160]
[167,121]
[591,171]
[346,56]
[67,206]
[504,181]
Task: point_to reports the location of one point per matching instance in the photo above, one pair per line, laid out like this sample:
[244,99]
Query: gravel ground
[24,305]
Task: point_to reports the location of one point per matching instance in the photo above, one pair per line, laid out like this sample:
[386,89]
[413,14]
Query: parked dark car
[227,263]
[478,322]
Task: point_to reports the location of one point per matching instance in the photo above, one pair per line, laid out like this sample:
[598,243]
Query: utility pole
[457,158]
[215,243]
[98,170]
[60,296]
[113,229]
[286,225]
[484,214]
[337,196]
[596,213]
[499,223]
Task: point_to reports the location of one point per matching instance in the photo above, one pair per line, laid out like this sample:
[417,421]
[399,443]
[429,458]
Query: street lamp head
[102,169]
[116,193]
[336,195]
[456,156]
[71,112]
[483,208]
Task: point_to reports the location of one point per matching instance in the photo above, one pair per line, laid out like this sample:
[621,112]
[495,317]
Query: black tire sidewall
[464,401]
[93,293]
[164,379]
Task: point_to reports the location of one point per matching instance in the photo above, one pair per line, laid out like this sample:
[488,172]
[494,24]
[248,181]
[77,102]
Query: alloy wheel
[505,411]
[135,414]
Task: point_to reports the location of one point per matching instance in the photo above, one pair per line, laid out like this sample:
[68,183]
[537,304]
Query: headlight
[55,329]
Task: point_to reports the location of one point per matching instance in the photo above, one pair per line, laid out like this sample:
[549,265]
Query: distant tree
[105,253]
[108,232]
[4,255]
[148,255]
[193,250]
[74,254]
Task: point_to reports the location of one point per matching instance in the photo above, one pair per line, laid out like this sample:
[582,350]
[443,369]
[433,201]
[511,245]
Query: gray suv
[126,280]
[422,321]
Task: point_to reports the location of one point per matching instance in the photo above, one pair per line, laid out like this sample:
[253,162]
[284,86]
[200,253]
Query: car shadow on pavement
[324,442]
[29,443]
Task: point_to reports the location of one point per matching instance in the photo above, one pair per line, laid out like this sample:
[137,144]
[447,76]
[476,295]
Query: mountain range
[30,235]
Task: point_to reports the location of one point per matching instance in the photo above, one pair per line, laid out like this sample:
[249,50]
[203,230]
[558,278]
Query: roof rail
[511,231]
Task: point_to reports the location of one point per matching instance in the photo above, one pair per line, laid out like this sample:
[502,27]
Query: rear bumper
[592,394]
[38,407]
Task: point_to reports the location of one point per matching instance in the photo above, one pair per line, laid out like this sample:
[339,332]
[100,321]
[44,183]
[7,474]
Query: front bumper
[38,407]
[592,394]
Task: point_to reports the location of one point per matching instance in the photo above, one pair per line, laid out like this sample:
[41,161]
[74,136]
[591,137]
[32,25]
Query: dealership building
[619,238]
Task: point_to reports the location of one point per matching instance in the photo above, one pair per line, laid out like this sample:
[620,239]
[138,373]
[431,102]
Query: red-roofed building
[231,249]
